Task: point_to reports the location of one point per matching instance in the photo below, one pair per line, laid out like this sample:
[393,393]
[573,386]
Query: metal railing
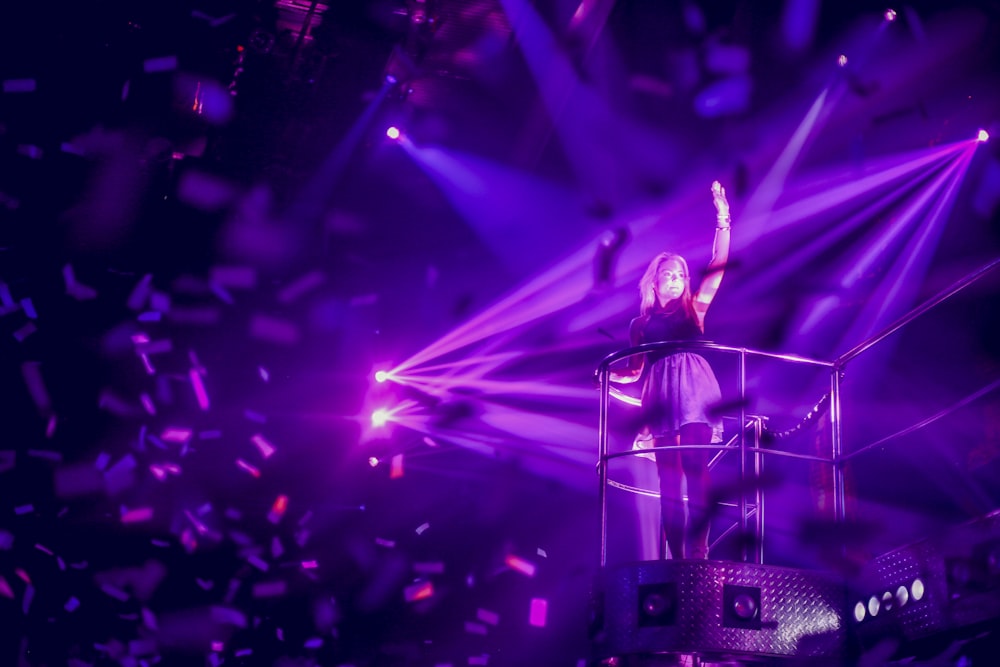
[837,457]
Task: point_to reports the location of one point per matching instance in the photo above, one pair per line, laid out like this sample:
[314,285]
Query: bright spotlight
[983,136]
[380,417]
[873,606]
[392,132]
[842,60]
[917,589]
[372,461]
[890,15]
[381,376]
[859,612]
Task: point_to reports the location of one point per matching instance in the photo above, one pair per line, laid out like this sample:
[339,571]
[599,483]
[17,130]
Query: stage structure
[745,611]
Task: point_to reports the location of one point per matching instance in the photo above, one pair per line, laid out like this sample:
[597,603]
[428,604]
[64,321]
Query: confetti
[140,293]
[201,395]
[422,527]
[538,612]
[71,605]
[7,459]
[249,468]
[475,628]
[19,85]
[278,508]
[5,589]
[161,64]
[173,434]
[258,563]
[297,288]
[479,659]
[44,550]
[255,416]
[242,277]
[29,308]
[269,589]
[30,151]
[24,509]
[274,330]
[420,590]
[114,591]
[487,616]
[265,447]
[521,565]
[147,403]
[22,333]
[309,565]
[32,374]
[75,289]
[396,467]
[277,548]
[137,515]
[29,596]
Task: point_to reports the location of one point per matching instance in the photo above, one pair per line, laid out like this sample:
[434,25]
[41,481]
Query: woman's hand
[719,199]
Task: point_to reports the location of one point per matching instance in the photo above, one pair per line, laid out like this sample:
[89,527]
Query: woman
[679,389]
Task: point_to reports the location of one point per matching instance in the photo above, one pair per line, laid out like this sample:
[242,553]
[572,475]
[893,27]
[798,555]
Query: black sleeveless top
[662,327]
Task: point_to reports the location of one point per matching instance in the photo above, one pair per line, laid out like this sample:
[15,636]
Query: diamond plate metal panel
[801,612]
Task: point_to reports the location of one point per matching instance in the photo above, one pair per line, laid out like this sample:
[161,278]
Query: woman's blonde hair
[647,285]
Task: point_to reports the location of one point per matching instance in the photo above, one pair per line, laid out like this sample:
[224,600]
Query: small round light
[890,15]
[859,612]
[983,136]
[381,376]
[887,600]
[656,605]
[392,132]
[873,606]
[917,589]
[842,60]
[744,606]
[902,596]
[372,461]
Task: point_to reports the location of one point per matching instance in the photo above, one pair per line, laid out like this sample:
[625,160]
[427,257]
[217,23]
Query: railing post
[758,464]
[602,460]
[839,500]
[741,389]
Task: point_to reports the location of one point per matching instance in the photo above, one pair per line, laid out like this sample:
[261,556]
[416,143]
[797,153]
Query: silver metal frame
[837,458]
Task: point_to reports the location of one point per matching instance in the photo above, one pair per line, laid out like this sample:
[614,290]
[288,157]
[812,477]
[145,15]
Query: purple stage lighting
[983,136]
[842,60]
[392,133]
[890,15]
[381,376]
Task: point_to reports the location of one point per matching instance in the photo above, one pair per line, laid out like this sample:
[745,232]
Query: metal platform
[719,611]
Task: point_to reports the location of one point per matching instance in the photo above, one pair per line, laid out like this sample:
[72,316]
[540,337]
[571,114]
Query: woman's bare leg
[671,474]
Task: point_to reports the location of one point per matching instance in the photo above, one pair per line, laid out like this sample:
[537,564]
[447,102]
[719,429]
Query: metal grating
[801,612]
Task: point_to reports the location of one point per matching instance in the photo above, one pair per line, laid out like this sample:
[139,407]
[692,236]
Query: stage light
[842,60]
[859,612]
[381,376]
[890,15]
[887,601]
[917,589]
[873,606]
[657,604]
[372,461]
[392,133]
[983,136]
[741,606]
[380,417]
[902,596]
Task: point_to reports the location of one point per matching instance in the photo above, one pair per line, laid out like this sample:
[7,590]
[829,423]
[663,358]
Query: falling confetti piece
[396,467]
[249,468]
[161,64]
[422,527]
[269,589]
[314,643]
[538,612]
[198,385]
[429,568]
[265,447]
[278,509]
[420,590]
[487,616]
[137,515]
[297,288]
[521,565]
[19,85]
[475,628]
[309,565]
[71,605]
